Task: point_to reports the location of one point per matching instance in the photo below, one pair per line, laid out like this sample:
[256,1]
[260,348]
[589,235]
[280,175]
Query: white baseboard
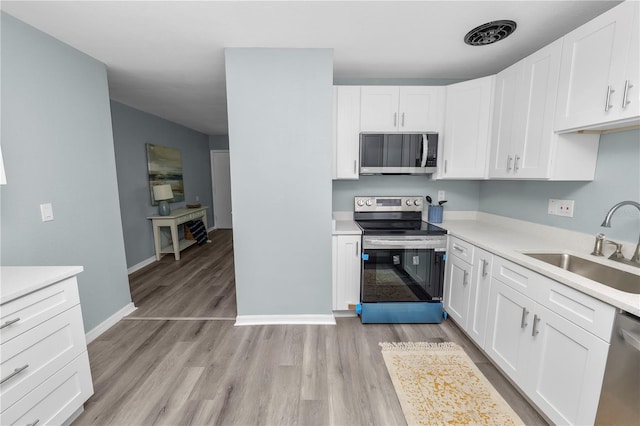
[109,322]
[242,320]
[141,265]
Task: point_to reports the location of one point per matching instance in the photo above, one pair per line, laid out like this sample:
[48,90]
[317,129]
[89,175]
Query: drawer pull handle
[15,372]
[536,319]
[455,247]
[523,321]
[8,323]
[34,423]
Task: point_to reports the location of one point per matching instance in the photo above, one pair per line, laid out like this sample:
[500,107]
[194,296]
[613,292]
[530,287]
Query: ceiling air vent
[490,32]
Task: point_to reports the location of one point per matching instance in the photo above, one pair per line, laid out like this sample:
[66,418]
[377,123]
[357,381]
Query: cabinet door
[379,109]
[346,271]
[566,368]
[631,105]
[536,98]
[347,132]
[466,131]
[456,289]
[421,109]
[507,340]
[479,296]
[503,128]
[593,64]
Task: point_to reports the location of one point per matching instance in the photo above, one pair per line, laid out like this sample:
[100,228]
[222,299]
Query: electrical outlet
[561,207]
[46,211]
[441,196]
[197,198]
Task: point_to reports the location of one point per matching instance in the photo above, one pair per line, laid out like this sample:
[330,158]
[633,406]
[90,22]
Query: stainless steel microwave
[398,153]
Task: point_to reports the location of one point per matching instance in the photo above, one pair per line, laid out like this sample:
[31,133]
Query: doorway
[221,186]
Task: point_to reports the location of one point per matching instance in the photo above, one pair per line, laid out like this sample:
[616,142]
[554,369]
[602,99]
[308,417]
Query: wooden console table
[177,217]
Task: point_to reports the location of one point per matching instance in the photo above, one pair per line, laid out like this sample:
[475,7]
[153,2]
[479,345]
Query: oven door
[402,270]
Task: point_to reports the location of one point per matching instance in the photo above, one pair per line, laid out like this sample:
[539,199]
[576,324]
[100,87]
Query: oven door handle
[425,149]
[408,244]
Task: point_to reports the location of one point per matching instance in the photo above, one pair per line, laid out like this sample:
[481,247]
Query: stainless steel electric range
[402,261]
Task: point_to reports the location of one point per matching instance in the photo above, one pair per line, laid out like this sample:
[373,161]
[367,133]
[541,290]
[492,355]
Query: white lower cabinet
[558,364]
[46,377]
[346,271]
[466,288]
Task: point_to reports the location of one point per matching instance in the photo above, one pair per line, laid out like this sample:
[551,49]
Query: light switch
[46,210]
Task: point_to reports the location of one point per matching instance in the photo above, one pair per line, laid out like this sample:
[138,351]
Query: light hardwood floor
[204,371]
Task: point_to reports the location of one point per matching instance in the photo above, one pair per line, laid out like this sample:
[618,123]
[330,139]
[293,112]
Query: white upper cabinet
[465,140]
[401,109]
[523,142]
[346,142]
[599,78]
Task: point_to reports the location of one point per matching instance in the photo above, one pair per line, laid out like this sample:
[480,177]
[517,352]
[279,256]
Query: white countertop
[17,281]
[346,227]
[511,238]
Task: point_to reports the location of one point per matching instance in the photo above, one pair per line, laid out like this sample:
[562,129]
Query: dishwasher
[620,396]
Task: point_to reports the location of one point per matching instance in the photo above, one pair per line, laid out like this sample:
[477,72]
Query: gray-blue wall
[280,121]
[617,179]
[57,145]
[132,130]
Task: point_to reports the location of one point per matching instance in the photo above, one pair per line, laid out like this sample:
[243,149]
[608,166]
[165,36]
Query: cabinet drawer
[28,311]
[515,276]
[44,350]
[56,399]
[461,249]
[591,314]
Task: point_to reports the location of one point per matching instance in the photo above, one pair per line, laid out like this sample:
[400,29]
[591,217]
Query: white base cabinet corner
[551,340]
[346,271]
[466,288]
[45,373]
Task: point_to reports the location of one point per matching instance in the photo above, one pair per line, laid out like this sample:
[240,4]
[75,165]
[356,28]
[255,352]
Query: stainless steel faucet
[635,259]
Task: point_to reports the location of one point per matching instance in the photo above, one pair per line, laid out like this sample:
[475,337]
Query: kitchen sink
[611,277]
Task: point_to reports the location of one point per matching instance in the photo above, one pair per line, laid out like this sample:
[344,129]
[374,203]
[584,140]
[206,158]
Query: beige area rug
[438,384]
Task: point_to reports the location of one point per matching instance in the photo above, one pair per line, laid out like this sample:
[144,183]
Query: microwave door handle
[424,151]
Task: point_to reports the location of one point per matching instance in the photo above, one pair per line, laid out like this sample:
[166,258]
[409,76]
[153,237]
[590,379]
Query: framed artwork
[165,167]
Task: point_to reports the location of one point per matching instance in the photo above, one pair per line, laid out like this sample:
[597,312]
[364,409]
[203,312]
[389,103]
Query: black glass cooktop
[399,227]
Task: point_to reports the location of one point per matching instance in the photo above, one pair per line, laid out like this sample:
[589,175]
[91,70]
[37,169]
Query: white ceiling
[167,58]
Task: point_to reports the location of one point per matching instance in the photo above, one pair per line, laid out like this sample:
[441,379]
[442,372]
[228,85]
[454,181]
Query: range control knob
[369,203]
[417,202]
[409,203]
[361,203]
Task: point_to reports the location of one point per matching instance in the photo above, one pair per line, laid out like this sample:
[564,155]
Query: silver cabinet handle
[523,321]
[536,319]
[34,423]
[464,278]
[357,248]
[15,372]
[509,159]
[515,163]
[455,247]
[395,119]
[403,119]
[8,323]
[484,267]
[608,105]
[627,86]
[445,167]
[355,167]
